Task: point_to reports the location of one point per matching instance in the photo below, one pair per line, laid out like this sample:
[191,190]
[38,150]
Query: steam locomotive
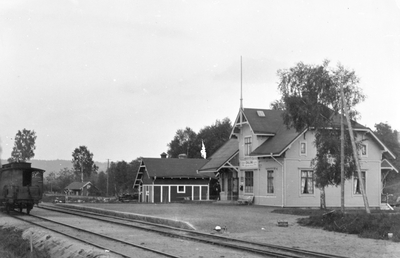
[21,186]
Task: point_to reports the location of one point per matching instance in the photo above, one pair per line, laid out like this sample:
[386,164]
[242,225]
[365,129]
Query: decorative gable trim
[284,149]
[391,167]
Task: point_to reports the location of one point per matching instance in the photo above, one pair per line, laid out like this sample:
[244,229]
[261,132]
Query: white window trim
[244,189]
[365,186]
[366,150]
[245,145]
[184,189]
[300,192]
[273,182]
[305,143]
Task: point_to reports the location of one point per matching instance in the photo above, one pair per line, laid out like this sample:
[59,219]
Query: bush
[12,245]
[375,225]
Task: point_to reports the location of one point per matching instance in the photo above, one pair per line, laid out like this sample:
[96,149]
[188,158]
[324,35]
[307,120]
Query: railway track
[112,245]
[261,249]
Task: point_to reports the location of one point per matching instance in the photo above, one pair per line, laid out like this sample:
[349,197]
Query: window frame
[249,181]
[302,187]
[301,149]
[248,145]
[181,191]
[362,149]
[356,186]
[270,182]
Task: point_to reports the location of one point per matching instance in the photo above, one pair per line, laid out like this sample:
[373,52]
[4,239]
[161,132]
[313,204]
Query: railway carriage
[21,186]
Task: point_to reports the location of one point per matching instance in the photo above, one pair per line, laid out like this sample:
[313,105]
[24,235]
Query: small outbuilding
[163,180]
[81,189]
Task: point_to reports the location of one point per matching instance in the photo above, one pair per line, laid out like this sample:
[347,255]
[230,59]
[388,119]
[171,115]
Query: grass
[376,225]
[12,245]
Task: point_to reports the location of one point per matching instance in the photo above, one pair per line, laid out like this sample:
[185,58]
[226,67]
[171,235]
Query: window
[247,145]
[303,148]
[307,182]
[181,189]
[260,113]
[270,181]
[248,181]
[364,150]
[357,183]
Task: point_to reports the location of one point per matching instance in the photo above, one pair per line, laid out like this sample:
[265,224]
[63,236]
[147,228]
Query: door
[165,194]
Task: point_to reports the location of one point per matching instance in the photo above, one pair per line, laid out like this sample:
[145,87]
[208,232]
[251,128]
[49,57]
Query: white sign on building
[249,164]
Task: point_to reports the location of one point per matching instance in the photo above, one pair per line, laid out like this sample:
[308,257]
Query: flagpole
[241,84]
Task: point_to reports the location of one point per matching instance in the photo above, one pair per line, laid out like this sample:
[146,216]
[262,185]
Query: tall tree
[102,182]
[24,146]
[183,143]
[312,97]
[188,142]
[277,105]
[214,136]
[51,180]
[82,161]
[65,177]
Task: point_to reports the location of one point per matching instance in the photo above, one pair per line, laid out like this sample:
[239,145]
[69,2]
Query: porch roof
[385,164]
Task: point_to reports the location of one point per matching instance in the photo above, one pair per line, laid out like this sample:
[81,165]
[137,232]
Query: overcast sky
[121,77]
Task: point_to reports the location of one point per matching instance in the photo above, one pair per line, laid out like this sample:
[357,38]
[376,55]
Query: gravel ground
[256,223]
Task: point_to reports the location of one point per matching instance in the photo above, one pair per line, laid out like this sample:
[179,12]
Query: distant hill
[56,165]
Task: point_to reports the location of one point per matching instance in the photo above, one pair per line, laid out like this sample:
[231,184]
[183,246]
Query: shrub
[13,245]
[375,225]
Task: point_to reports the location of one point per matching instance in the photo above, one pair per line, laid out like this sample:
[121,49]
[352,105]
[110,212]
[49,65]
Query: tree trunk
[322,199]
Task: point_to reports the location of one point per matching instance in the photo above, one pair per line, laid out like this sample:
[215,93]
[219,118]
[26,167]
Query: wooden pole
[355,154]
[341,150]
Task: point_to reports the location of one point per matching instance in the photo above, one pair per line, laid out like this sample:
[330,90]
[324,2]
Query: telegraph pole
[355,155]
[341,149]
[108,166]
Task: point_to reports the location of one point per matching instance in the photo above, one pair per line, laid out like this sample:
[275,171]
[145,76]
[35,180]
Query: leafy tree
[24,146]
[123,175]
[214,136]
[277,105]
[188,142]
[102,182]
[65,177]
[183,143]
[51,180]
[311,96]
[82,160]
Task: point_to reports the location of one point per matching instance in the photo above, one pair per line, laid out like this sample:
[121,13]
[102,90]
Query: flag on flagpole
[203,150]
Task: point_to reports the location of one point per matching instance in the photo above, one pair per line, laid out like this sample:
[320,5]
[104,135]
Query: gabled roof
[221,156]
[174,168]
[266,122]
[77,185]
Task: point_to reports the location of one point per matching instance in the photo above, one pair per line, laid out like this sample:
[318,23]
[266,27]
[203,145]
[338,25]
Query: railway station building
[272,164]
